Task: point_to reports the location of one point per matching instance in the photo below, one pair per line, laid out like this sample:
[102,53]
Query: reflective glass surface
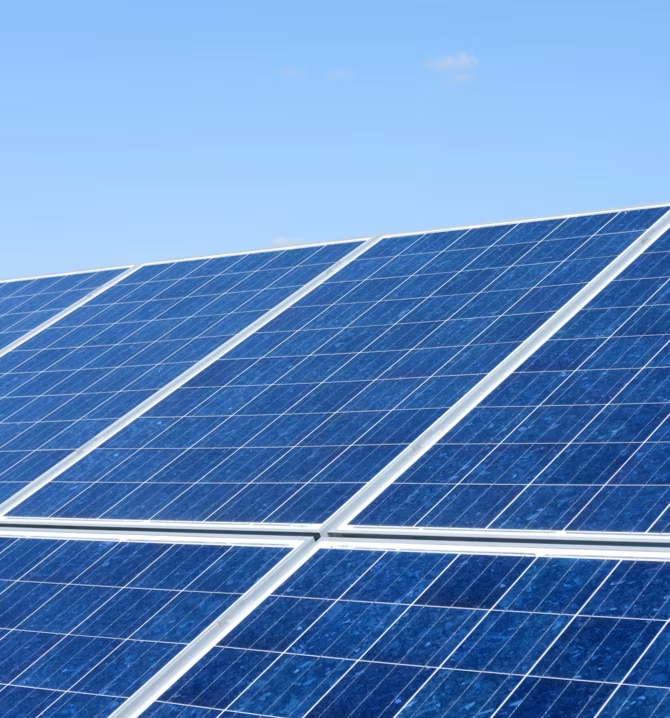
[73,379]
[26,303]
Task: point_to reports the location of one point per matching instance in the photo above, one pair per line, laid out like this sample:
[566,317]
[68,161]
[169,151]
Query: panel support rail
[573,543]
[391,536]
[175,529]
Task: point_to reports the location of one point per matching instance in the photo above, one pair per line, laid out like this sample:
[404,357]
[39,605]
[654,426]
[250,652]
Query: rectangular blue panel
[72,380]
[298,417]
[576,439]
[84,624]
[26,303]
[358,633]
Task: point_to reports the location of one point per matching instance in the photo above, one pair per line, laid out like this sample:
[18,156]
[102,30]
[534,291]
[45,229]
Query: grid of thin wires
[26,303]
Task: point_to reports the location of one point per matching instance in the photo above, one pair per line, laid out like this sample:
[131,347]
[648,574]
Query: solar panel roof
[294,420]
[412,475]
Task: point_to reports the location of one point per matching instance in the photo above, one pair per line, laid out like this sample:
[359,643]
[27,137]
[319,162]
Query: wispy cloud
[456,68]
[291,73]
[338,74]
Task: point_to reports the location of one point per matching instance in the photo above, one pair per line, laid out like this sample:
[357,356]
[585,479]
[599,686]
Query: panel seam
[135,536]
[536,542]
[151,526]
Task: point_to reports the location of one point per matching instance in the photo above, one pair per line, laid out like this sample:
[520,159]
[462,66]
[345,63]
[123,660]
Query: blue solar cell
[353,695]
[87,623]
[585,225]
[489,646]
[634,219]
[557,697]
[636,701]
[163,710]
[512,636]
[597,648]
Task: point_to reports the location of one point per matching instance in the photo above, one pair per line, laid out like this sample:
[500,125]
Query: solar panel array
[247,485]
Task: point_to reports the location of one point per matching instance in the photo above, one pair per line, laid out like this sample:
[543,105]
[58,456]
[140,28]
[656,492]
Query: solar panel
[294,420]
[462,435]
[357,633]
[71,381]
[27,303]
[85,623]
[575,440]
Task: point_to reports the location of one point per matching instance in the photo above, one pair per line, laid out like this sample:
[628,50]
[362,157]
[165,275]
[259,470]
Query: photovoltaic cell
[83,624]
[299,416]
[72,380]
[577,439]
[357,633]
[26,303]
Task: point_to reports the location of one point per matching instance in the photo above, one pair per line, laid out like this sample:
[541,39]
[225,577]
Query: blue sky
[132,131]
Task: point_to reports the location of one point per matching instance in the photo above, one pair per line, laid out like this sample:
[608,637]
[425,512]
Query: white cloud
[458,68]
[291,73]
[454,63]
[339,74]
